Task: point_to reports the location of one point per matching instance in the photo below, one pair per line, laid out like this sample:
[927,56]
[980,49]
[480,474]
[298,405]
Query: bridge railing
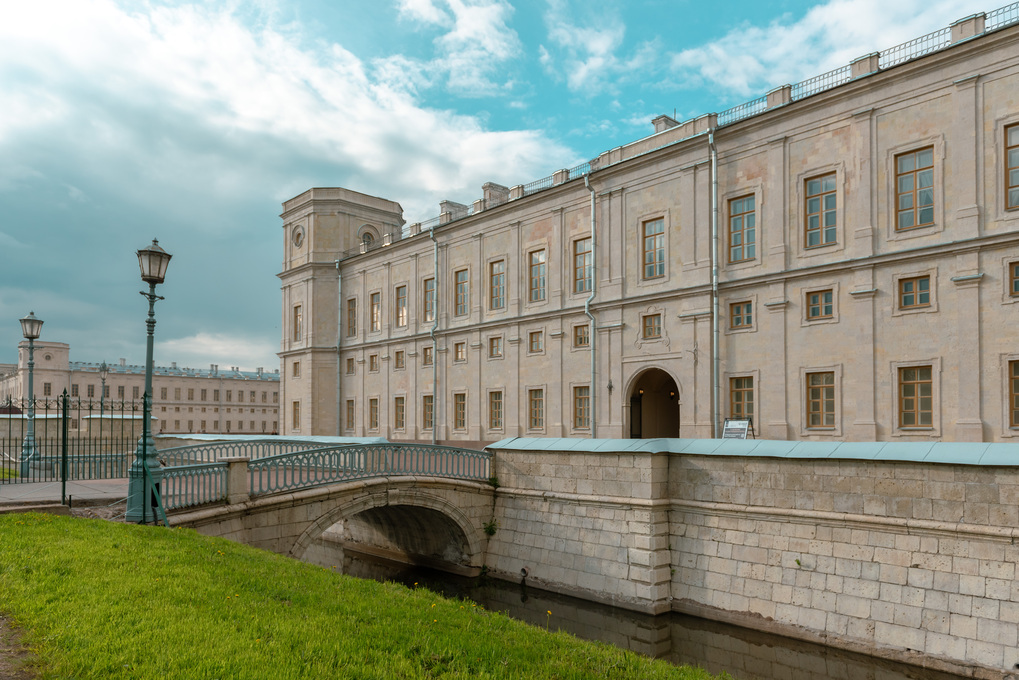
[213,452]
[290,471]
[187,486]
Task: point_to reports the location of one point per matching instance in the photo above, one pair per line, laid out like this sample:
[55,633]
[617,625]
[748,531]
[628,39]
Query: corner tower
[320,228]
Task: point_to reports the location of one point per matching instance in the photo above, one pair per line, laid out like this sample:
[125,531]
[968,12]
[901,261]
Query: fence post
[237,482]
[63,447]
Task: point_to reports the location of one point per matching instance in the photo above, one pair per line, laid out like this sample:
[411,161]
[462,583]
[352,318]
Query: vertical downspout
[339,335]
[435,349]
[587,311]
[716,361]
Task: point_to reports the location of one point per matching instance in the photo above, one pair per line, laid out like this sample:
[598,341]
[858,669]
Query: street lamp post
[31,327]
[140,503]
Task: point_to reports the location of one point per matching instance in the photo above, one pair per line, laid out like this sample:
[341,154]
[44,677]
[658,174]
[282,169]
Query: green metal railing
[187,486]
[191,485]
[216,451]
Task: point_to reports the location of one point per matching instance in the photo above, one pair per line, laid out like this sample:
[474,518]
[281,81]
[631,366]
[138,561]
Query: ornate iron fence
[74,439]
[213,452]
[186,486]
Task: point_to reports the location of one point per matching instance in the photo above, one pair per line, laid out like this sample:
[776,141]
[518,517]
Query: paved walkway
[88,492]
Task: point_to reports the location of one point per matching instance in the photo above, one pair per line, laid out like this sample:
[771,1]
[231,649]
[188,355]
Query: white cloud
[424,11]
[202,349]
[750,60]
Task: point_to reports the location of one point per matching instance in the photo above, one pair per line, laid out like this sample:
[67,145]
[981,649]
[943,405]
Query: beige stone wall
[956,102]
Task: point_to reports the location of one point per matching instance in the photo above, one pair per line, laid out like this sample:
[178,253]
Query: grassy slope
[101,600]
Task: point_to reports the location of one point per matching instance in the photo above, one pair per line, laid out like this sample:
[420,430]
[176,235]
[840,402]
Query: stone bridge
[901,550]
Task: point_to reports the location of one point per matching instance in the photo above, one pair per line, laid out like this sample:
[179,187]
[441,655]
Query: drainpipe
[339,335]
[435,348]
[716,364]
[587,311]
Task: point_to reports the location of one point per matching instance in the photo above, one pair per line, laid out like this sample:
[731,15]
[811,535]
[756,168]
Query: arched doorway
[654,405]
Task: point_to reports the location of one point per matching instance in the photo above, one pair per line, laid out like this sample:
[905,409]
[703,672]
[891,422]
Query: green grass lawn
[106,600]
[8,473]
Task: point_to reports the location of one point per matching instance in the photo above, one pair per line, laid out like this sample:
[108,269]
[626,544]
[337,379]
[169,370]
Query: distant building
[184,400]
[837,259]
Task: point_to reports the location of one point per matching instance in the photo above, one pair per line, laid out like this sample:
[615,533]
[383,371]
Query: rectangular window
[429,299]
[582,266]
[251,396]
[375,311]
[74,390]
[1013,278]
[350,365]
[91,391]
[497,285]
[106,392]
[350,414]
[462,293]
[582,336]
[820,211]
[296,369]
[742,229]
[399,412]
[460,351]
[298,322]
[916,397]
[653,240]
[1012,166]
[401,359]
[176,393]
[351,317]
[821,400]
[536,409]
[203,426]
[1013,393]
[205,395]
[495,410]
[741,315]
[47,389]
[914,189]
[820,304]
[427,411]
[652,326]
[295,415]
[535,341]
[495,347]
[120,393]
[373,413]
[134,392]
[582,407]
[741,397]
[915,292]
[536,275]
[240,396]
[215,395]
[459,411]
[162,392]
[401,306]
[426,356]
[373,362]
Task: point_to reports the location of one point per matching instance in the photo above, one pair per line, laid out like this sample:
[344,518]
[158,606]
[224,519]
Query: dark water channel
[745,654]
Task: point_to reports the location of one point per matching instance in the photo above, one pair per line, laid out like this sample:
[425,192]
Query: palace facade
[184,400]
[837,260]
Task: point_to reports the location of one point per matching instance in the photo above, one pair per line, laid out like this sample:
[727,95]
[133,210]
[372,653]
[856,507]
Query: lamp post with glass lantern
[140,502]
[31,327]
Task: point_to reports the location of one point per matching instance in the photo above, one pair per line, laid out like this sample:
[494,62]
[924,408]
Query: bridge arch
[652,408]
[416,520]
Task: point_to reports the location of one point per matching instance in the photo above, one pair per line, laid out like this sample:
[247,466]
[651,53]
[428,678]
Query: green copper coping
[325,441]
[962,453]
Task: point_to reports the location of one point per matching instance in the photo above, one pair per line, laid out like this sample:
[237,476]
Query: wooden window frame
[911,194]
[582,336]
[298,323]
[495,410]
[537,275]
[495,348]
[583,270]
[741,315]
[459,410]
[375,311]
[535,342]
[742,227]
[351,317]
[823,209]
[427,411]
[401,306]
[428,298]
[497,284]
[427,356]
[462,292]
[910,406]
[460,352]
[1012,169]
[350,414]
[536,408]
[350,366]
[821,400]
[373,414]
[581,407]
[653,249]
[917,293]
[741,386]
[400,359]
[818,309]
[399,413]
[1013,393]
[651,326]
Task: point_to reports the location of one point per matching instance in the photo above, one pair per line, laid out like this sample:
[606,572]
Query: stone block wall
[913,560]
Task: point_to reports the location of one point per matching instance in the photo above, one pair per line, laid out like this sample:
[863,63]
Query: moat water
[744,653]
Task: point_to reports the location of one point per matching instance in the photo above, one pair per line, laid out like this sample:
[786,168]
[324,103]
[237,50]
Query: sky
[192,121]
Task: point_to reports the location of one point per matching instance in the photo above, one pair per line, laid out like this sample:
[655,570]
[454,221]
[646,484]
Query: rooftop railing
[918,47]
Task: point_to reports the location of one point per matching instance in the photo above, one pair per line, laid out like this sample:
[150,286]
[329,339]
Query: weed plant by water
[104,600]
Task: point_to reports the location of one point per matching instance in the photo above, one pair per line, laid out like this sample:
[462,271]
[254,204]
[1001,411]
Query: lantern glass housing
[153,262]
[31,327]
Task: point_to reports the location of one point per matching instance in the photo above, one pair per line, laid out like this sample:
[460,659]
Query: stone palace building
[184,400]
[837,260]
